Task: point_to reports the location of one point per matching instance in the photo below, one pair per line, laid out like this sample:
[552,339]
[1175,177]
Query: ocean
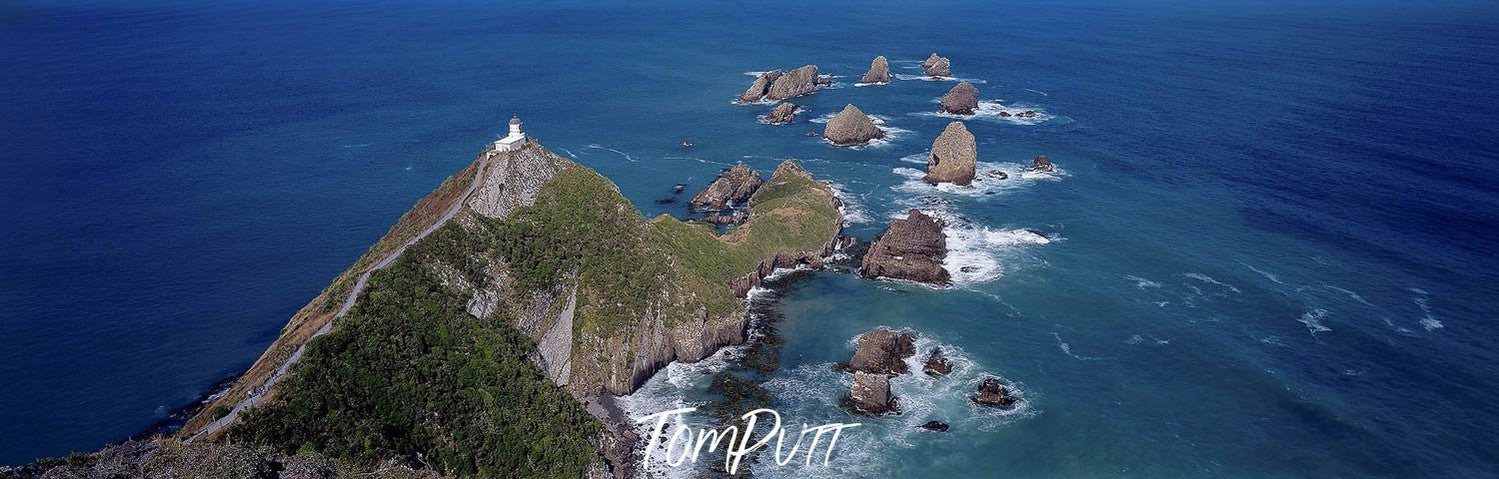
[1270,250]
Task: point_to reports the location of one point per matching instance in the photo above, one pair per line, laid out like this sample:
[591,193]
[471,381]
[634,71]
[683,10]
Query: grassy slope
[409,372]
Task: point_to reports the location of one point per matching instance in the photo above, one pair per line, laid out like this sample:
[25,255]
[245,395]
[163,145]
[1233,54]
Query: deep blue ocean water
[1272,252]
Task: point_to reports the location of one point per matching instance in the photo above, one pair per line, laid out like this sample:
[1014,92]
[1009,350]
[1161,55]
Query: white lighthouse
[512,140]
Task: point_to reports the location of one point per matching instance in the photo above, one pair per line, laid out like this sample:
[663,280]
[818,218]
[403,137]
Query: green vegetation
[409,374]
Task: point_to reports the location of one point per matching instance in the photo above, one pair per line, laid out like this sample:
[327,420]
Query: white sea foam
[1209,280]
[1038,91]
[694,158]
[862,84]
[853,209]
[923,77]
[993,110]
[626,156]
[1141,339]
[1067,348]
[1313,321]
[796,110]
[977,254]
[1428,320]
[1268,275]
[1142,283]
[569,152]
[983,184]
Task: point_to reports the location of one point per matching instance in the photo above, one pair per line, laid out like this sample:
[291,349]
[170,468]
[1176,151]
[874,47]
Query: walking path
[258,392]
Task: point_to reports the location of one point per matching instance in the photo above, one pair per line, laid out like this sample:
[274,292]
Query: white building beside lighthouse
[513,140]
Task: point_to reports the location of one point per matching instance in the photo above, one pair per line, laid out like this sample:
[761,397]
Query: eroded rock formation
[734,185]
[992,392]
[782,114]
[911,249]
[1043,165]
[761,85]
[954,157]
[879,71]
[851,127]
[962,99]
[937,66]
[883,351]
[870,394]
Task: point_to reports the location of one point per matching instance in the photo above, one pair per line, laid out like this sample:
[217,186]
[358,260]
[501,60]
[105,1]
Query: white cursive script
[736,443]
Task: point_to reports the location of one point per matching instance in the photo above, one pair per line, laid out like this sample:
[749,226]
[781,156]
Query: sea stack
[992,392]
[734,185]
[962,99]
[937,364]
[795,83]
[937,66]
[870,394]
[851,127]
[783,114]
[911,249]
[1043,165]
[883,351]
[879,71]
[954,156]
[757,90]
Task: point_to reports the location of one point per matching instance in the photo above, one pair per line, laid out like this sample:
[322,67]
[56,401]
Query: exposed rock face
[879,71]
[883,351]
[795,83]
[954,157]
[870,394]
[734,185]
[937,364]
[911,249]
[515,180]
[961,100]
[1042,164]
[851,127]
[936,66]
[993,393]
[757,90]
[783,114]
[937,426]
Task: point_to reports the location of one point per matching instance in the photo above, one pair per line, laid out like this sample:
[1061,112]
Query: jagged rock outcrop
[879,71]
[937,364]
[911,249]
[514,180]
[734,185]
[937,66]
[883,351]
[992,392]
[870,394]
[954,156]
[1043,165]
[962,99]
[761,85]
[851,127]
[937,426]
[782,114]
[794,83]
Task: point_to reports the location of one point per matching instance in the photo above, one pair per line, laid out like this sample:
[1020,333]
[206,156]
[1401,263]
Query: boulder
[941,67]
[758,89]
[961,100]
[911,249]
[998,174]
[1042,164]
[992,392]
[870,394]
[783,113]
[883,351]
[937,426]
[954,157]
[851,127]
[795,83]
[734,185]
[879,71]
[1026,114]
[937,364]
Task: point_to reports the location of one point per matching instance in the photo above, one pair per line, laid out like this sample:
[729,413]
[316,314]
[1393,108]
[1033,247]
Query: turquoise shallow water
[1271,252]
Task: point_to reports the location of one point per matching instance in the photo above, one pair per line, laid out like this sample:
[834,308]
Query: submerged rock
[962,99]
[936,66]
[879,71]
[937,426]
[784,113]
[733,185]
[992,392]
[851,127]
[761,85]
[870,394]
[1026,114]
[937,364]
[954,157]
[1042,164]
[998,174]
[883,351]
[911,249]
[795,83]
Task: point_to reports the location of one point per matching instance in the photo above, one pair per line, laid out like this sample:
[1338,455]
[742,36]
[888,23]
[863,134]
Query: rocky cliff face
[963,99]
[912,249]
[757,89]
[954,157]
[851,127]
[776,85]
[879,71]
[782,114]
[937,66]
[734,185]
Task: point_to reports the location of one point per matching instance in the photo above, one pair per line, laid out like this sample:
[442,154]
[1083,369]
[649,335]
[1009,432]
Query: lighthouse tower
[513,140]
